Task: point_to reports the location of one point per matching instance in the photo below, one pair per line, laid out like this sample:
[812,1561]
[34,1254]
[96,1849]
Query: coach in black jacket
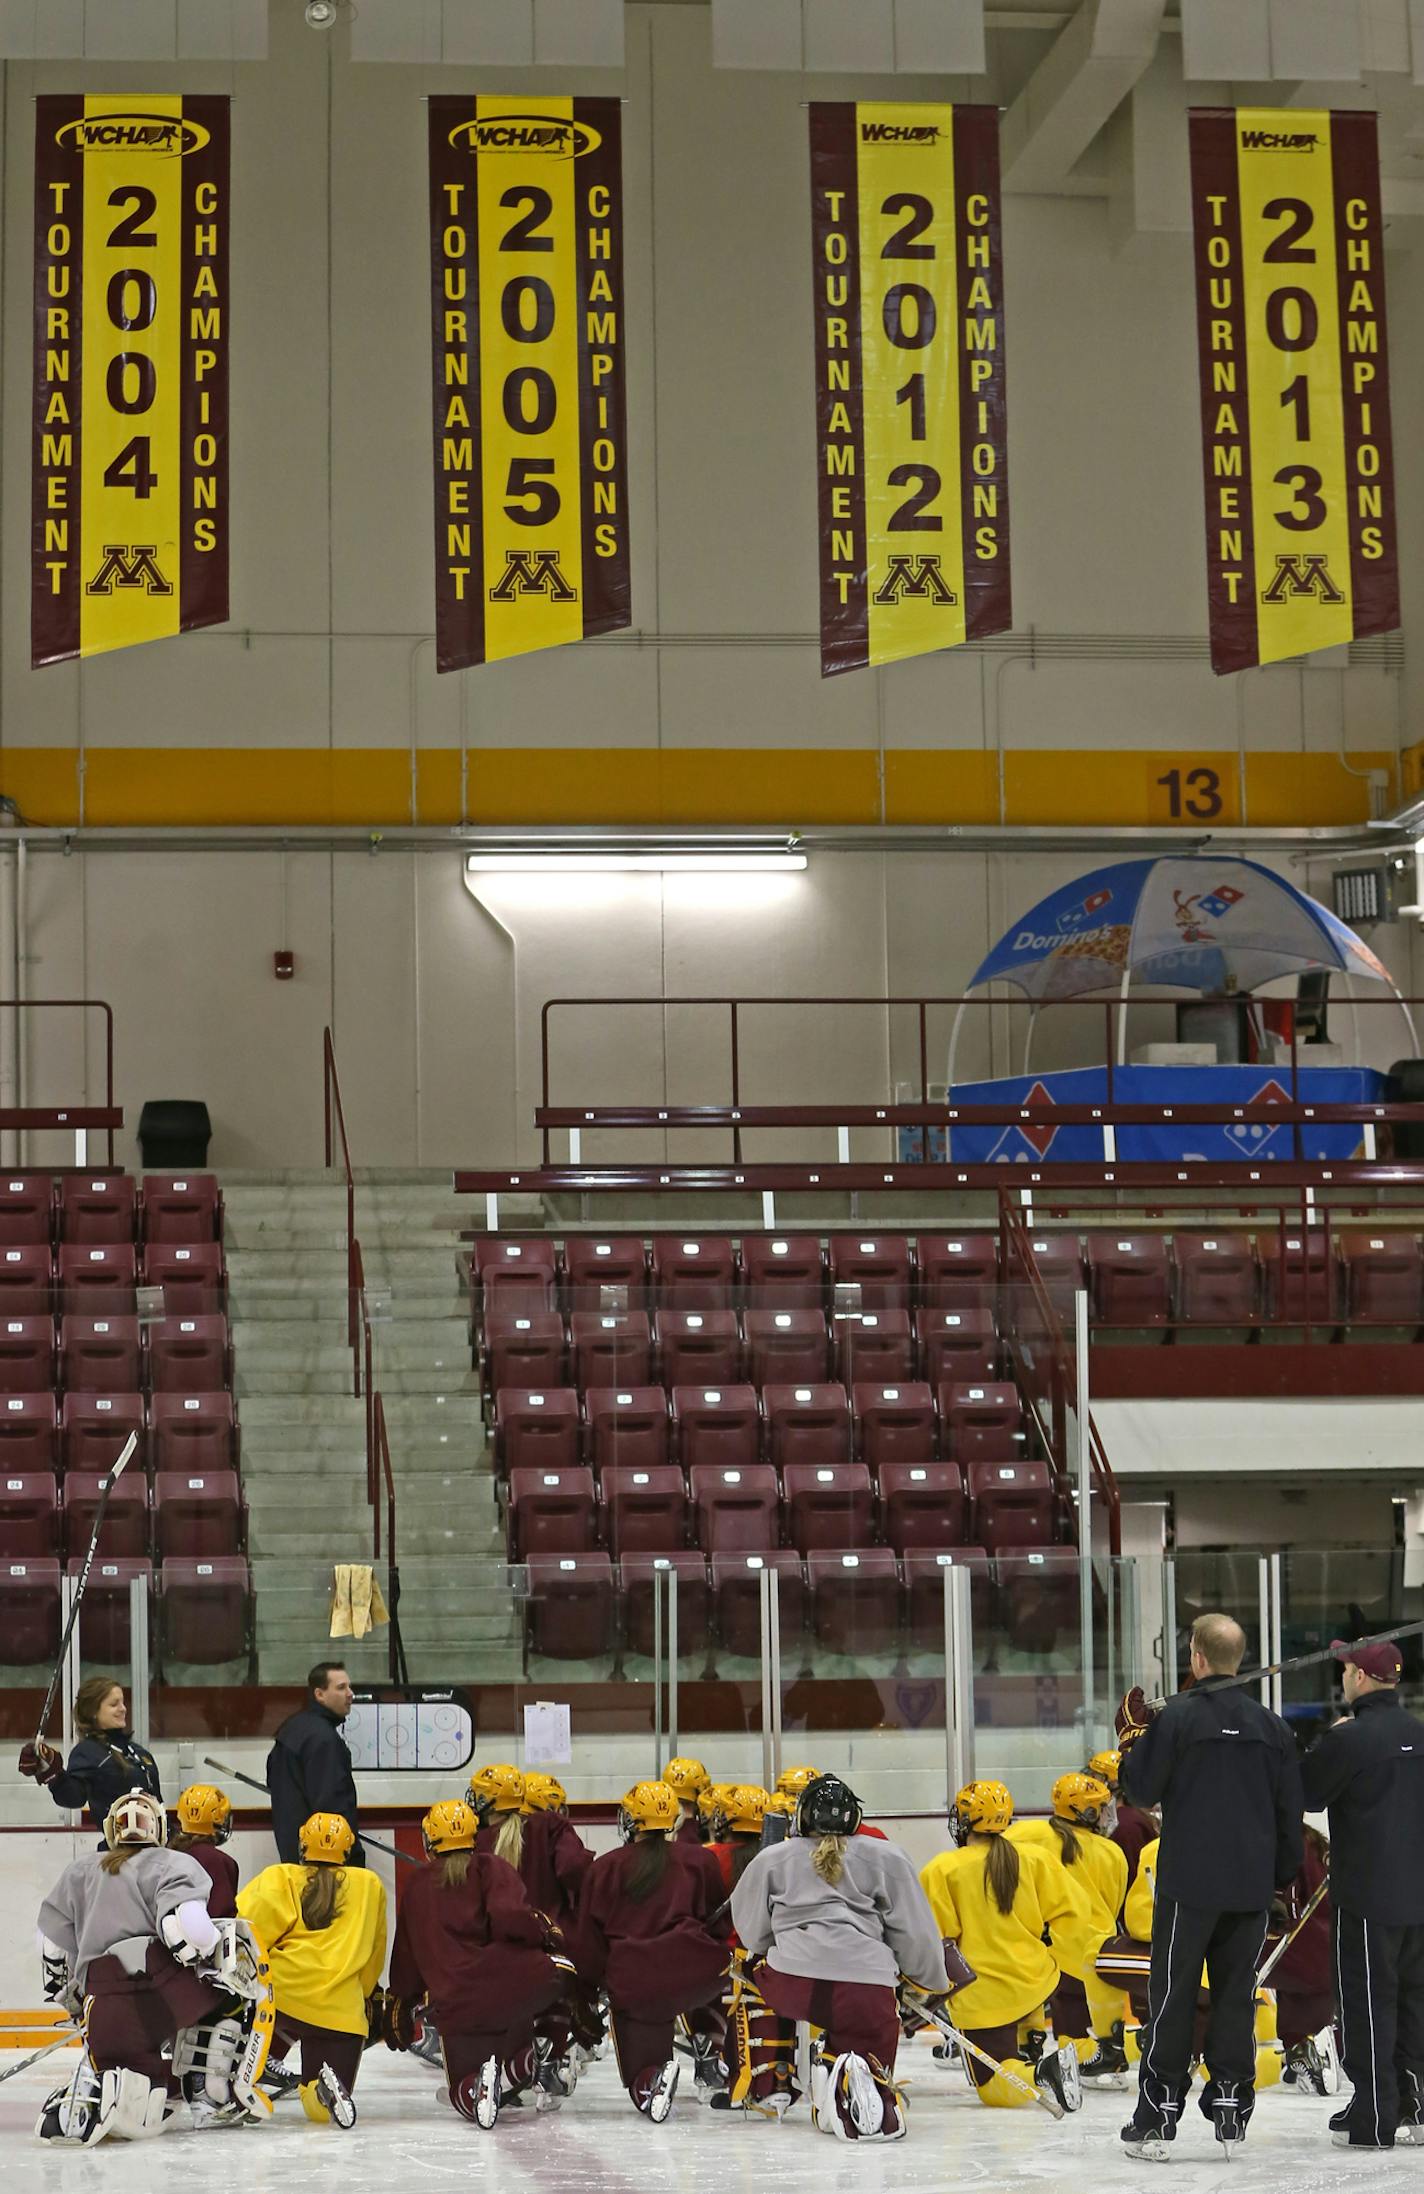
[1224,1771]
[1369,1773]
[309,1767]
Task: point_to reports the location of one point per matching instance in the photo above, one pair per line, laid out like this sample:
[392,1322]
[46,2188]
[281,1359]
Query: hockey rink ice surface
[596,2144]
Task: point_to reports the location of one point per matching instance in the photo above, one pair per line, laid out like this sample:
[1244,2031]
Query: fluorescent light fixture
[632,864]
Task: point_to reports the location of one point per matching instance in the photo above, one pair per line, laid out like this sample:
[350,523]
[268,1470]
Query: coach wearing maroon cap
[1369,1773]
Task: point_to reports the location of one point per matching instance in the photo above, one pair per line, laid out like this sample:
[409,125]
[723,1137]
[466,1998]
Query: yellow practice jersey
[322,1976]
[1100,1871]
[1137,1911]
[1017,1969]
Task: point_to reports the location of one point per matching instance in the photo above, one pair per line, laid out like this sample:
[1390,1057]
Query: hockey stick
[941,2025]
[1286,1940]
[237,1776]
[105,1489]
[1300,1660]
[62,2041]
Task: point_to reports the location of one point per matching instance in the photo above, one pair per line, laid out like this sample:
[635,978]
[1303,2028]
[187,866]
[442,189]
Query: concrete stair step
[413,1465]
[400,1381]
[320,1413]
[274,1344]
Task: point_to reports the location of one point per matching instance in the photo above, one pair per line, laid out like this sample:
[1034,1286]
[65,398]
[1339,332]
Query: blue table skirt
[1213,1144]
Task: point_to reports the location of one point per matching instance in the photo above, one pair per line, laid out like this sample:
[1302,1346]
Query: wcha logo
[533,571]
[1279,141]
[555,136]
[170,136]
[900,133]
[129,569]
[915,579]
[1301,577]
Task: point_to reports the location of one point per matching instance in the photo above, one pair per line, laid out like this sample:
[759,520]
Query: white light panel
[848,34]
[1315,41]
[940,37]
[1227,41]
[133,30]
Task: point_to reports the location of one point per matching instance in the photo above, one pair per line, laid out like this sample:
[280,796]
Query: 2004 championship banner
[531,492]
[910,390]
[1300,510]
[129,503]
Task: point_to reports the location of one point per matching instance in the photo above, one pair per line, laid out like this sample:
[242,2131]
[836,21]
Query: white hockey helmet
[136,1818]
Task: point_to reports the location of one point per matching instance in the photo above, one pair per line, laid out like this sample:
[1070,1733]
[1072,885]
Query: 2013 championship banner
[910,389]
[531,487]
[129,501]
[1300,509]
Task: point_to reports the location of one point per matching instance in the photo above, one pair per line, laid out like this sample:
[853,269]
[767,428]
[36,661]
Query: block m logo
[915,579]
[1298,576]
[533,571]
[129,568]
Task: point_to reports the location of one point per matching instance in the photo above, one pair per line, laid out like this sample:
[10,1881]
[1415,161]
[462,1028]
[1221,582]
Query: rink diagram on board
[598,2145]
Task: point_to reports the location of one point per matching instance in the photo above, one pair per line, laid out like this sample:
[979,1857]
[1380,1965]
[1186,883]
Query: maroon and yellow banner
[129,502]
[1300,508]
[910,391]
[531,476]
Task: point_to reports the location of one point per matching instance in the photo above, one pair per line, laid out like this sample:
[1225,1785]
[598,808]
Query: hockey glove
[1134,1718]
[397,2022]
[375,2017]
[39,1761]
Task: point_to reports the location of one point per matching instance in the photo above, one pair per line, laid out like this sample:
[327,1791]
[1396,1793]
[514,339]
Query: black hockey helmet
[827,1807]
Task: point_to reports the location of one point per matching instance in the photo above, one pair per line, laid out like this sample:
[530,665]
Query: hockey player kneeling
[326,1923]
[1021,1922]
[129,1945]
[471,1946]
[1079,1837]
[835,1919]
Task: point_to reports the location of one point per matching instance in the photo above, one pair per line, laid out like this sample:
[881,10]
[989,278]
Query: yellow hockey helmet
[326,1840]
[744,1809]
[449,1826]
[136,1818]
[793,1780]
[648,1808]
[982,1809]
[1079,1797]
[497,1789]
[1107,1766]
[203,1810]
[544,1793]
[781,1801]
[689,1778]
[710,1803]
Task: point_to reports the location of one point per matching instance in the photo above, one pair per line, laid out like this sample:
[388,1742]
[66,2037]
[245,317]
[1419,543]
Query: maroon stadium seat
[645,1511]
[595,1262]
[526,1348]
[196,1513]
[698,1347]
[193,1276]
[736,1589]
[1059,1262]
[924,1591]
[1301,1281]
[894,1424]
[26,1280]
[807,1424]
[1216,1280]
[125,1529]
[26,1208]
[189,1355]
[104,1624]
[855,1600]
[787,1347]
[956,1346]
[1130,1277]
[1013,1504]
[1384,1281]
[193,1432]
[26,1355]
[880,1265]
[102,1355]
[203,1609]
[29,1611]
[29,1433]
[627,1427]
[831,1505]
[1038,1595]
[29,1519]
[736,1507]
[694,1271]
[922,1505]
[516,1275]
[716,1427]
[635,1578]
[611,1348]
[981,1423]
[958,1271]
[537,1428]
[94,1427]
[569,1612]
[97,1278]
[97,1207]
[783,1272]
[181,1207]
[551,1512]
[875,1345]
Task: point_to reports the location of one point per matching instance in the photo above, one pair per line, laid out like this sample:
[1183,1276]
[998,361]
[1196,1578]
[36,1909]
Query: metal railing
[1049,1389]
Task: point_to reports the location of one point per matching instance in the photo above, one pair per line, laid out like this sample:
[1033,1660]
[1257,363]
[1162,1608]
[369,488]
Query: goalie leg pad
[131,2108]
[761,2050]
[220,2062]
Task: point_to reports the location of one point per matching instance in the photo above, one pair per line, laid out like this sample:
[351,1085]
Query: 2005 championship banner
[129,509]
[531,493]
[910,393]
[1300,510]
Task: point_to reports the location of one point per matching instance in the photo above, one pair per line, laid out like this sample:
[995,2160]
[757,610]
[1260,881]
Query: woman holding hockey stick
[106,1763]
[470,1945]
[325,1927]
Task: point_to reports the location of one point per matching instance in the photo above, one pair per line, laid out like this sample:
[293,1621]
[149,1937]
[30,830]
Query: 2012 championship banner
[531,489]
[1300,508]
[129,483]
[910,387]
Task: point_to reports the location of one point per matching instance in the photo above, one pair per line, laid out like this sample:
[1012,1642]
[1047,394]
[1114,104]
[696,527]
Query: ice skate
[554,2077]
[1057,2074]
[1148,2144]
[1304,2070]
[858,2087]
[708,2080]
[1229,2123]
[1107,2067]
[661,2093]
[486,2096]
[336,2097]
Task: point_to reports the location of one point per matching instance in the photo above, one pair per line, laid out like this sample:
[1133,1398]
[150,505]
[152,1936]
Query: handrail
[108,1116]
[1015,1238]
[332,1107]
[1121,1175]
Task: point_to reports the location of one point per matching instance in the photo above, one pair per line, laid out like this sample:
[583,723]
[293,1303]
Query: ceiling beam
[1083,78]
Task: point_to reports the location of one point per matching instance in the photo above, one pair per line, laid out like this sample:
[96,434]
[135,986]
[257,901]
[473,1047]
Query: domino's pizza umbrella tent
[1195,922]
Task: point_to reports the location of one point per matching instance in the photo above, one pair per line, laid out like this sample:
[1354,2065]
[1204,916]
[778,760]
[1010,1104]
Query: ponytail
[120,1856]
[1069,1849]
[828,1859]
[744,1849]
[652,1856]
[1001,1872]
[454,1869]
[320,1896]
[509,1843]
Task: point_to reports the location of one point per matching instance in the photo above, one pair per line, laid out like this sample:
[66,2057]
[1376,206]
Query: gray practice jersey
[872,1925]
[89,1912]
